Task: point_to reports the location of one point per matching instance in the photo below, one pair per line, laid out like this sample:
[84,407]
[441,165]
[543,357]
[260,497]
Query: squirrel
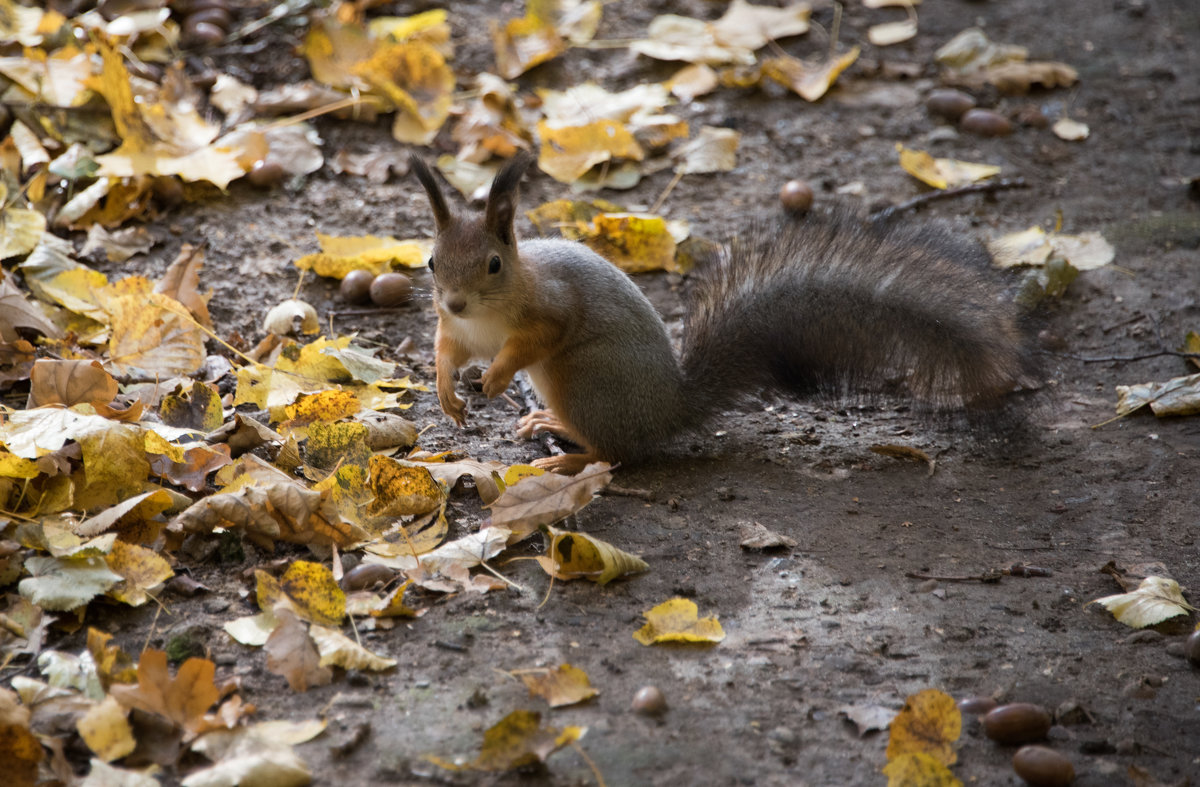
[831,305]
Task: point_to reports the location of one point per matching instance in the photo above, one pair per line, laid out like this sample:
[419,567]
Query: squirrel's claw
[495,383]
[454,406]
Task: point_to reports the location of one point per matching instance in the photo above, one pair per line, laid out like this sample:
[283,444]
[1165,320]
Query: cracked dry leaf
[292,654]
[70,382]
[517,740]
[141,569]
[153,335]
[943,173]
[62,584]
[929,723]
[312,592]
[284,511]
[809,81]
[563,685]
[401,489]
[677,621]
[580,556]
[340,651]
[377,254]
[545,499]
[106,731]
[182,699]
[919,770]
[16,311]
[569,152]
[1155,600]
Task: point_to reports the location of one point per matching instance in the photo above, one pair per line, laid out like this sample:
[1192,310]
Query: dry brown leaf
[292,653]
[182,282]
[563,685]
[543,500]
[70,382]
[182,700]
[810,82]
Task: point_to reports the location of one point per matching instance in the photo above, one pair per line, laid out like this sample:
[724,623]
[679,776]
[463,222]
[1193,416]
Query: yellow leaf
[340,255]
[402,490]
[281,510]
[929,724]
[635,243]
[114,464]
[142,570]
[677,620]
[943,173]
[20,750]
[312,589]
[153,335]
[517,740]
[196,408]
[570,151]
[564,685]
[21,229]
[414,76]
[578,555]
[808,82]
[106,731]
[324,406]
[919,770]
[1155,600]
[524,43]
[13,466]
[330,444]
[338,650]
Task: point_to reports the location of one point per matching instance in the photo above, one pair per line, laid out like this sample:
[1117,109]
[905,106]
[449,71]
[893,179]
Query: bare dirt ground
[835,621]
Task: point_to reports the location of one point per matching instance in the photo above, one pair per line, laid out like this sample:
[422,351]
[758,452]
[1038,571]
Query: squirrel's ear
[441,214]
[502,199]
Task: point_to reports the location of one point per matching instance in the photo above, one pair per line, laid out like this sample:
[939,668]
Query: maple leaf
[182,700]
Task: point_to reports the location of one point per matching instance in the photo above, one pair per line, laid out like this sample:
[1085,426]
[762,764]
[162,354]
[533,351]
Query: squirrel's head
[474,262]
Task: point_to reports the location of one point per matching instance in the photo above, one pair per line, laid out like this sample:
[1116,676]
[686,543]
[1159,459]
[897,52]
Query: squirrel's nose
[456,303]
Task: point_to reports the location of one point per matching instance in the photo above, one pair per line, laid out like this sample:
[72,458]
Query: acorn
[390,289]
[985,123]
[1018,722]
[1042,767]
[649,701]
[356,286]
[796,196]
[949,104]
[265,174]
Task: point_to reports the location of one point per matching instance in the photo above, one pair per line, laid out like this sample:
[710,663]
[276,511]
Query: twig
[987,576]
[1113,358]
[658,203]
[625,491]
[974,188]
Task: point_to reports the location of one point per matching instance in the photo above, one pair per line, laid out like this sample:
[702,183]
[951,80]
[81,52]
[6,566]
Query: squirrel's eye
[494,264]
[431,264]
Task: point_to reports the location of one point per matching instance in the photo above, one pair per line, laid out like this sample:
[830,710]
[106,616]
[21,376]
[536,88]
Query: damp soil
[844,618]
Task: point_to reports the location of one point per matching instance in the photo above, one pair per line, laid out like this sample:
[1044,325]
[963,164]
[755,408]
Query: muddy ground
[835,621]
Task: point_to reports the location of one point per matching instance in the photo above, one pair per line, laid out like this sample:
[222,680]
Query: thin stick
[974,188]
[666,192]
[1114,358]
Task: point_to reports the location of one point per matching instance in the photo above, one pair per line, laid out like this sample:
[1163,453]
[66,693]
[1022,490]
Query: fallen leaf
[376,254]
[340,651]
[1070,130]
[752,535]
[634,242]
[104,775]
[563,685]
[919,770]
[580,556]
[868,718]
[890,33]
[70,382]
[543,500]
[713,150]
[142,570]
[568,152]
[182,699]
[810,82]
[402,490]
[313,593]
[929,724]
[16,311]
[182,283]
[678,621]
[260,754]
[61,584]
[943,173]
[517,740]
[1155,600]
[292,653]
[117,246]
[692,81]
[1035,246]
[106,731]
[20,750]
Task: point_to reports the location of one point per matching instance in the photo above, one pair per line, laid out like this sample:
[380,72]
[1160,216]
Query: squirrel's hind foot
[539,421]
[567,464]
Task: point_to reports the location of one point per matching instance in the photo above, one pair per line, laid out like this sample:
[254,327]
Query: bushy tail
[836,306]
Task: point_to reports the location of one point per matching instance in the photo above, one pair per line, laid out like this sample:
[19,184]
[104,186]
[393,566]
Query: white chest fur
[483,336]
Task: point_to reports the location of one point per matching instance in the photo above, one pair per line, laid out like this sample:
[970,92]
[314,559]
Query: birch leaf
[1155,600]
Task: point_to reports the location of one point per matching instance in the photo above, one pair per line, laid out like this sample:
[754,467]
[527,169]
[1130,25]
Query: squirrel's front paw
[454,406]
[495,382]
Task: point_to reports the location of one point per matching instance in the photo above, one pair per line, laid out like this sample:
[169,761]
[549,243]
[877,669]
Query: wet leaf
[340,651]
[563,685]
[1155,600]
[929,724]
[543,500]
[943,173]
[182,699]
[580,556]
[517,740]
[678,621]
[292,654]
[106,731]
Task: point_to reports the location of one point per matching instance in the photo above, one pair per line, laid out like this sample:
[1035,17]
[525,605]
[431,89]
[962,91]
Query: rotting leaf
[1155,600]
[580,556]
[929,723]
[563,685]
[543,500]
[198,408]
[517,740]
[677,621]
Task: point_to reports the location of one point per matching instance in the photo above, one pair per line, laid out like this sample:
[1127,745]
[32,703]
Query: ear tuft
[502,199]
[442,216]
